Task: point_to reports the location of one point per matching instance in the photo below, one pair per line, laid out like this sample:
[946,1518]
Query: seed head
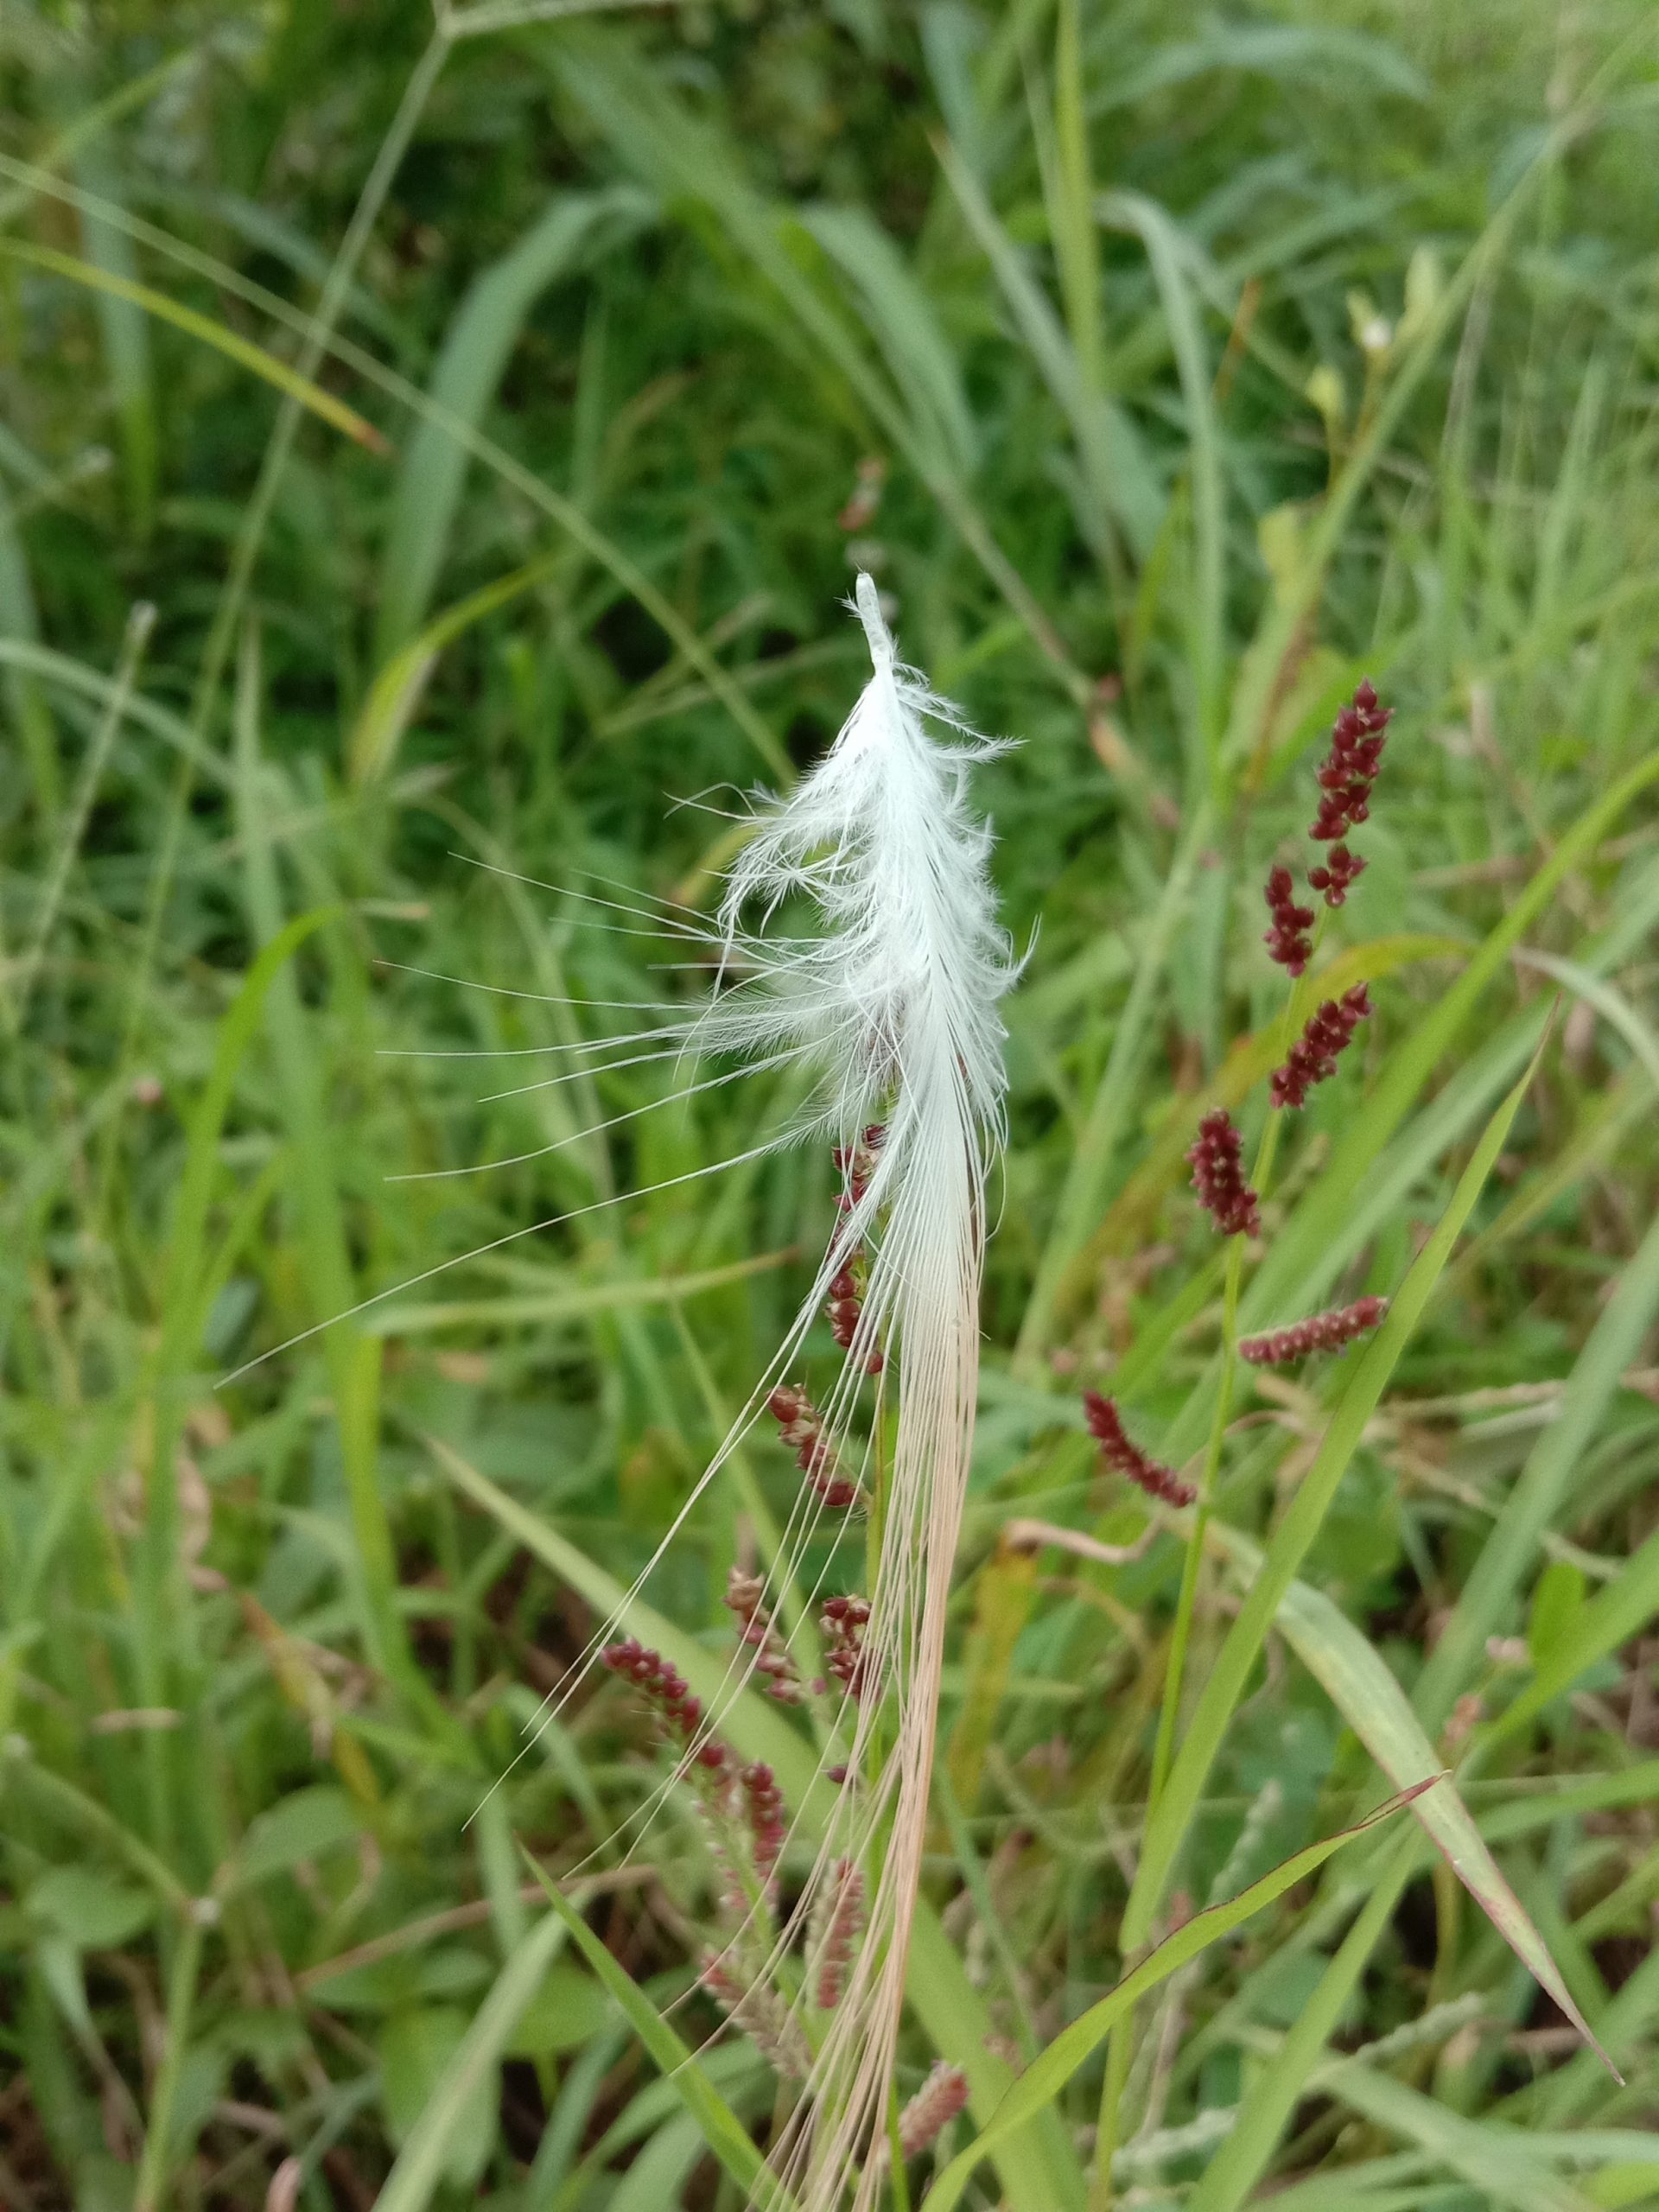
[1314,1055]
[1320,1332]
[1218,1177]
[933,2108]
[778,2034]
[1351,767]
[857,1165]
[843,1922]
[843,1622]
[666,1690]
[1287,941]
[764,1808]
[746,1597]
[1341,871]
[801,1427]
[1125,1457]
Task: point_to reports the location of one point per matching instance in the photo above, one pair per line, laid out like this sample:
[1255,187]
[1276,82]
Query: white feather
[897,1001]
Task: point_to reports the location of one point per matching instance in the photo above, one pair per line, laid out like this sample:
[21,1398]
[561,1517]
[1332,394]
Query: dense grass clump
[431,452]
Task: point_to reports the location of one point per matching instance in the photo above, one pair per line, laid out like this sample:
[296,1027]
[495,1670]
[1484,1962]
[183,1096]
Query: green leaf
[416,2051]
[218,335]
[476,350]
[1556,1597]
[446,2130]
[566,2012]
[1360,1686]
[299,1826]
[722,2129]
[1543,1486]
[89,1909]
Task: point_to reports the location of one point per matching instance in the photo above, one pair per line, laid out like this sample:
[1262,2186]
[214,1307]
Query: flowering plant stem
[1119,2050]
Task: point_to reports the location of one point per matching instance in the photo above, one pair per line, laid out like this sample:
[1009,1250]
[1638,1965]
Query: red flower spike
[801,1428]
[1218,1177]
[843,1622]
[1350,767]
[933,2108]
[1287,941]
[746,1597]
[1312,1059]
[666,1690]
[1125,1457]
[843,1922]
[763,1805]
[857,1163]
[1341,871]
[1320,1332]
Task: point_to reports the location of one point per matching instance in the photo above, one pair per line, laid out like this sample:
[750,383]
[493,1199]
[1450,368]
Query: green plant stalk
[1168,1818]
[1180,1634]
[1186,1603]
[149,2195]
[1239,2164]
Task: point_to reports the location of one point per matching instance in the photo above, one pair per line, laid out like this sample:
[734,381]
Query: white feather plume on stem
[897,999]
[893,1005]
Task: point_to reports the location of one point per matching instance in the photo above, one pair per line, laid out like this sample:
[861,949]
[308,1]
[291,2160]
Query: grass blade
[476,350]
[242,351]
[722,2130]
[1543,1484]
[419,2172]
[1042,2081]
[1358,1683]
[1171,1817]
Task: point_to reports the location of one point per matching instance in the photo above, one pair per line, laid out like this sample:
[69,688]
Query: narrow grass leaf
[722,2129]
[229,343]
[1043,2080]
[395,693]
[476,350]
[1543,1486]
[469,2078]
[1171,1816]
[1358,1683]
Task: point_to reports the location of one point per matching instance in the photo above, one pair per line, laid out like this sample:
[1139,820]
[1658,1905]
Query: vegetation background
[424,446]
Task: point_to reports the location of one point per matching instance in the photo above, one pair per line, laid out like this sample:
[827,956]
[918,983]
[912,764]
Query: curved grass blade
[1542,1485]
[395,692]
[1042,2081]
[722,2130]
[241,350]
[419,2172]
[1359,1684]
[475,352]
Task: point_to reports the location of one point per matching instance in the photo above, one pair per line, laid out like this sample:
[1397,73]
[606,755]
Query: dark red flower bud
[1287,941]
[1218,1177]
[801,1428]
[1125,1457]
[1313,1057]
[1320,1332]
[1350,768]
[1341,871]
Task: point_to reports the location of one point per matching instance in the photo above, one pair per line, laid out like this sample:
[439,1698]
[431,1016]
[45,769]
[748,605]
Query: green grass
[421,460]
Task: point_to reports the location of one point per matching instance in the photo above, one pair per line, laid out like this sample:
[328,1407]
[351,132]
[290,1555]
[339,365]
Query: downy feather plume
[890,1007]
[896,999]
